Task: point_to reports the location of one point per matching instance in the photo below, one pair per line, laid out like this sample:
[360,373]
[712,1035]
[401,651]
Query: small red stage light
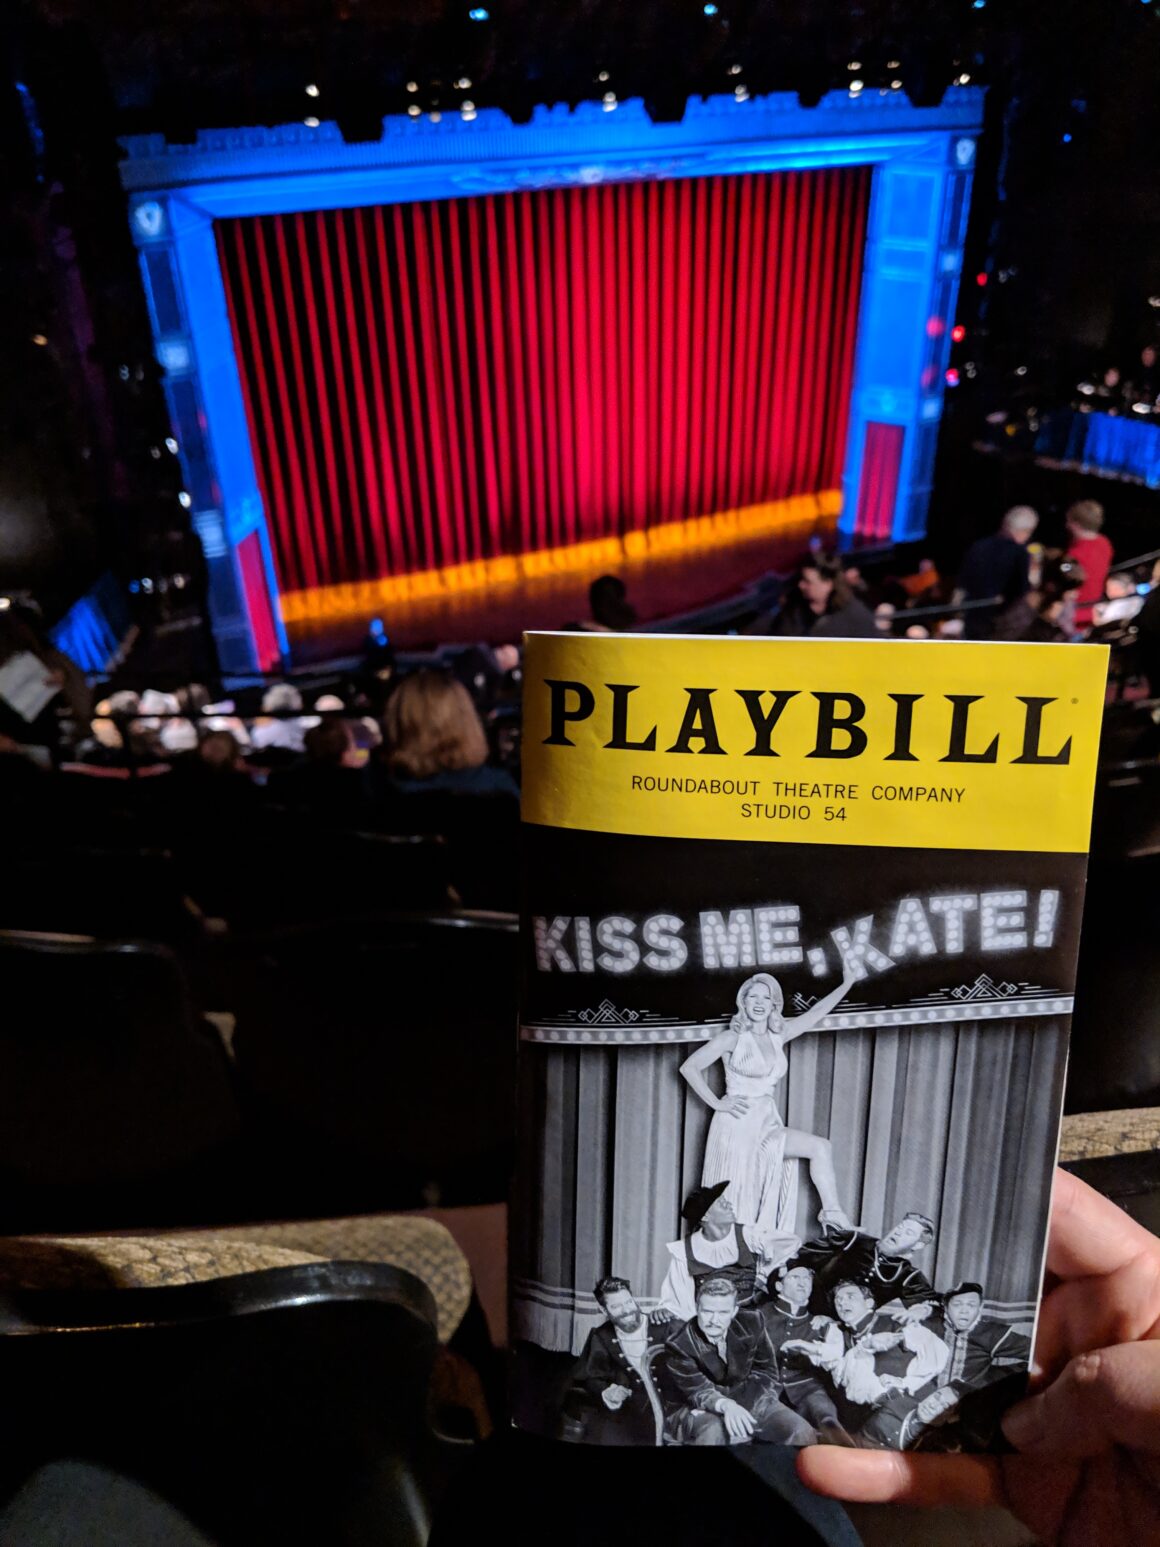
[952,377]
[958,333]
[935,327]
[981,280]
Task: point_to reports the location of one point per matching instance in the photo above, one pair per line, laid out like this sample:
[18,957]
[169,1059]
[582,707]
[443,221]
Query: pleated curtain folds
[956,1122]
[431,384]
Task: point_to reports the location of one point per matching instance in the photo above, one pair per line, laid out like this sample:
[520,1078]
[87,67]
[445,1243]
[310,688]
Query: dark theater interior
[343,343]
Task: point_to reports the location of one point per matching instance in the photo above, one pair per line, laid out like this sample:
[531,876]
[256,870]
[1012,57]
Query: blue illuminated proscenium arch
[923,159]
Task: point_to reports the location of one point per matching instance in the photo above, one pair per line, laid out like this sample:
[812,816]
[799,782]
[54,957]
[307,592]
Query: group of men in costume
[846,1343]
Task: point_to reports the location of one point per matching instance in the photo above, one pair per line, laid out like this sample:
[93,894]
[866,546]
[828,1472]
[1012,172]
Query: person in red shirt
[1092,551]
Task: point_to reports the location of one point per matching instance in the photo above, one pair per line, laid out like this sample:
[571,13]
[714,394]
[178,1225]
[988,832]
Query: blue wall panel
[923,158]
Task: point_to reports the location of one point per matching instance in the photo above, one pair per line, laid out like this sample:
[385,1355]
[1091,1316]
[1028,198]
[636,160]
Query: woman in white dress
[749,1145]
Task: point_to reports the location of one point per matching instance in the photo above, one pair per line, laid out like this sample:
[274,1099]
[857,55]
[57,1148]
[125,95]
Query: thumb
[1108,1397]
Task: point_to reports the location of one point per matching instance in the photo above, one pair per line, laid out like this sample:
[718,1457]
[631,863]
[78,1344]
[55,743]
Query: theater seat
[482,835]
[1115,1053]
[112,893]
[382,1061]
[116,1101]
[1126,812]
[281,873]
[286,1405]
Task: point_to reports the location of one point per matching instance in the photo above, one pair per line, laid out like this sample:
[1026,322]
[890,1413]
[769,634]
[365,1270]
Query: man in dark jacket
[885,1266]
[880,1369]
[986,1372]
[806,1388]
[996,568]
[613,1399]
[982,1348]
[720,1377]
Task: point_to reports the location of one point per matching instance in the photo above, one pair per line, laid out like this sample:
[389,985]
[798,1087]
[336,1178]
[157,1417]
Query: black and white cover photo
[789,1113]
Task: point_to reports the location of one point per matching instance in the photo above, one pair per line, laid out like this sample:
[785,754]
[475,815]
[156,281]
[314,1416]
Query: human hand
[821,1354]
[736,1106]
[894,1383]
[615,1397]
[1087,1467]
[905,1315]
[660,1316]
[739,1425]
[879,1342]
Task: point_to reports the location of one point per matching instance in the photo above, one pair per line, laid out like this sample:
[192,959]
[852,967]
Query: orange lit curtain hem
[798,516]
[451,383]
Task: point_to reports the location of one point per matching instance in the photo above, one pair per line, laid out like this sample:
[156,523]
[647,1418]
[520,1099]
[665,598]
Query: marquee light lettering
[729,939]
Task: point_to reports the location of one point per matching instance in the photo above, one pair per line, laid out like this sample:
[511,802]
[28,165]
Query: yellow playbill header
[884,743]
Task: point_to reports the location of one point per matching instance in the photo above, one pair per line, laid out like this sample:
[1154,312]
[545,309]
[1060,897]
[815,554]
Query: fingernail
[1023,1425]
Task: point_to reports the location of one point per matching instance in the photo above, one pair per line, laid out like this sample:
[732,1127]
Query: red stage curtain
[881,461]
[435,383]
[257,594]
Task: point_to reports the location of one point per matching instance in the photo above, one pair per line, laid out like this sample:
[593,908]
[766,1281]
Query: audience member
[1047,614]
[1092,551]
[281,734]
[996,569]
[924,580]
[177,736]
[1146,383]
[432,775]
[609,609]
[220,753]
[1121,602]
[158,732]
[1148,635]
[223,716]
[22,635]
[1114,623]
[114,725]
[378,655]
[434,740]
[327,784]
[330,744]
[821,603]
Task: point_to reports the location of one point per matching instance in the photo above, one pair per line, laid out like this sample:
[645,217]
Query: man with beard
[613,1398]
[720,1377]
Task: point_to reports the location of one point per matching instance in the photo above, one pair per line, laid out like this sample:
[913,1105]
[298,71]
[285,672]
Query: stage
[449,377]
[661,587]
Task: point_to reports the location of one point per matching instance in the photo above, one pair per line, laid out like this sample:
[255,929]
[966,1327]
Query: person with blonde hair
[749,1146]
[434,740]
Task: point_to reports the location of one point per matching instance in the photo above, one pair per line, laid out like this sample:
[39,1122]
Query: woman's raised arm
[798,1025]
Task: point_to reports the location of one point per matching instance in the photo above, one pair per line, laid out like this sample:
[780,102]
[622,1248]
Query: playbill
[800,927]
